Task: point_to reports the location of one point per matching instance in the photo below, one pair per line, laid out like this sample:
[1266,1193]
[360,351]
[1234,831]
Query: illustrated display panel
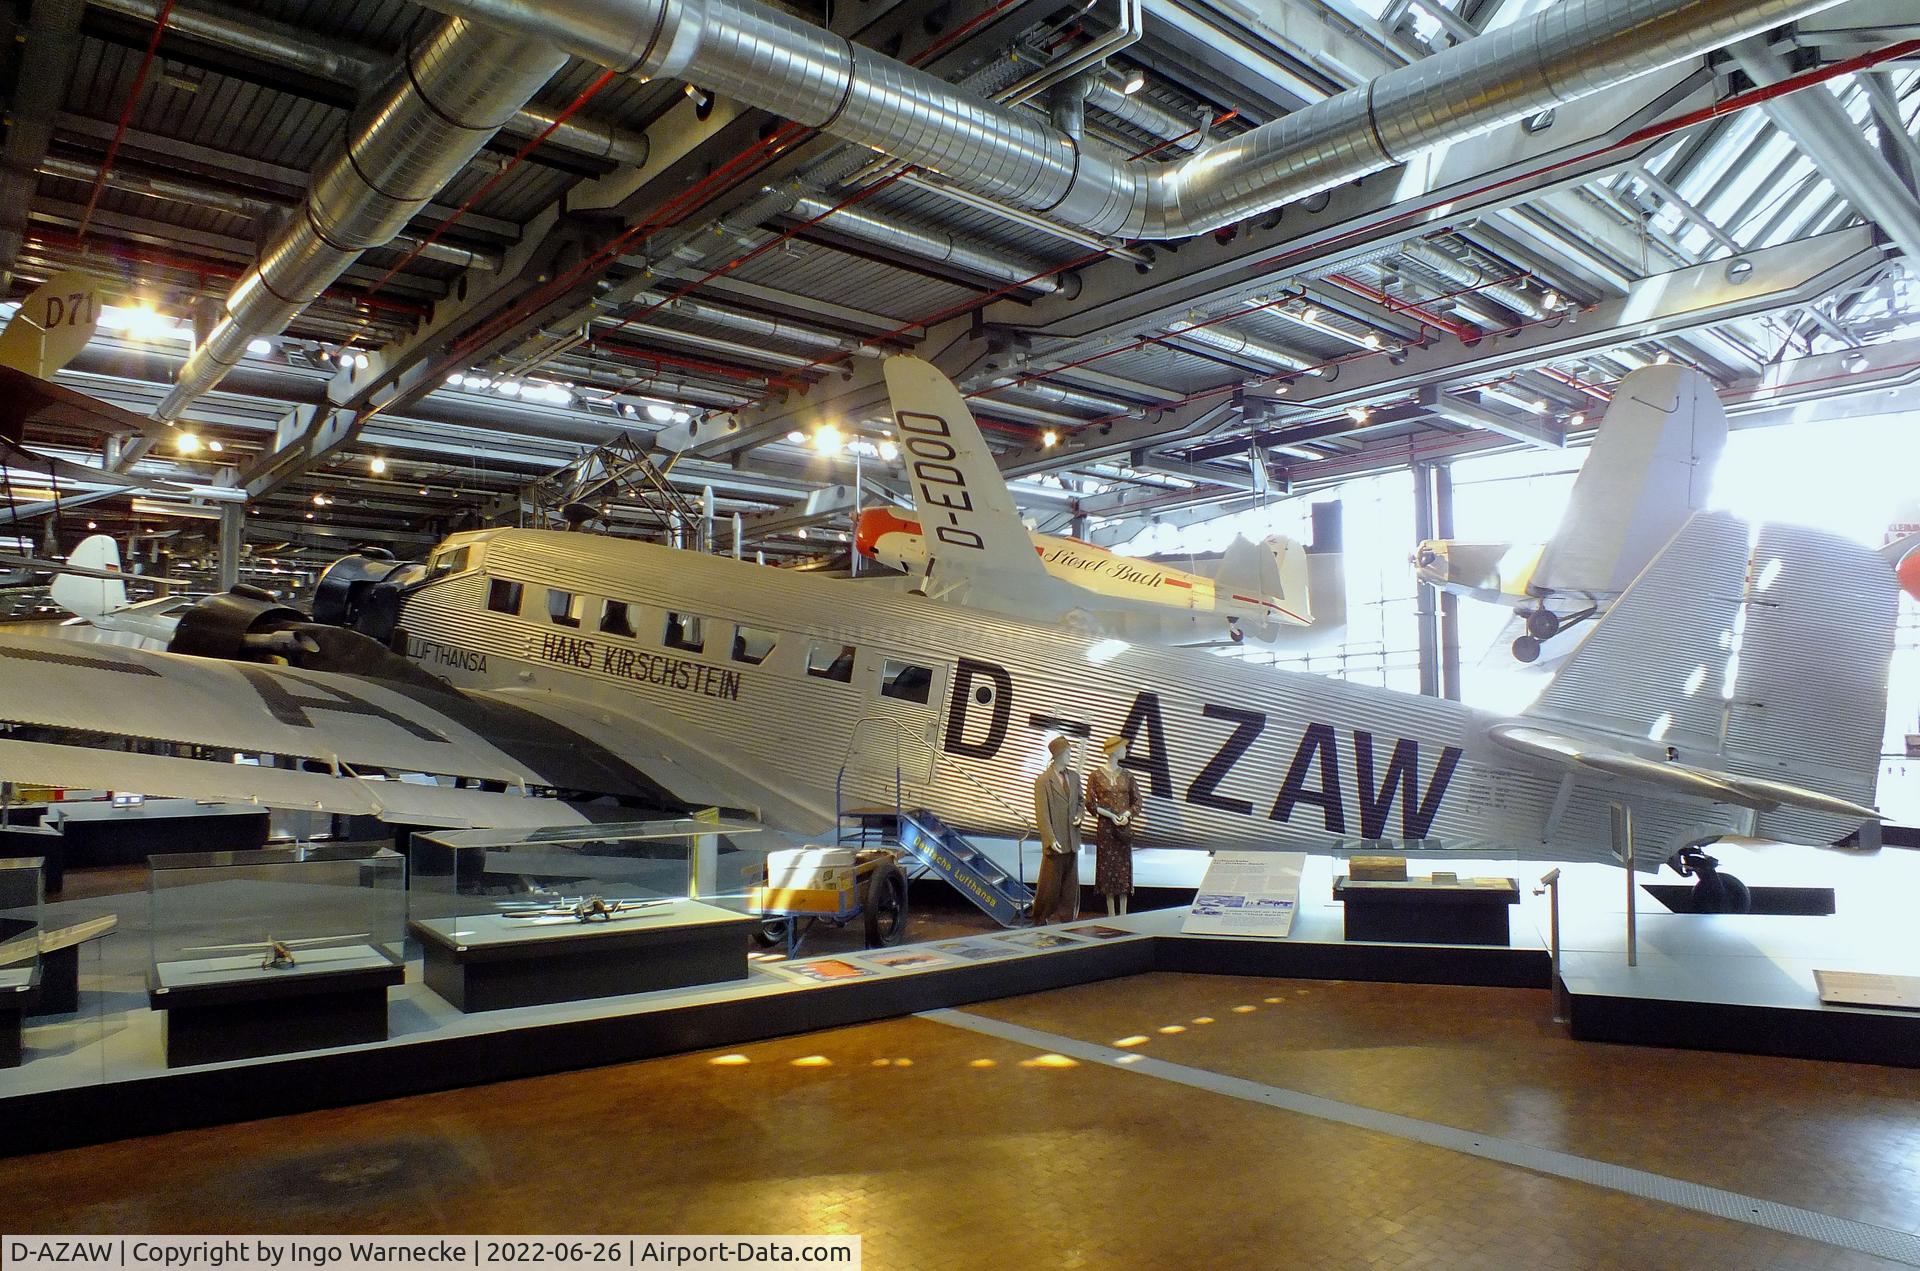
[503,885]
[233,917]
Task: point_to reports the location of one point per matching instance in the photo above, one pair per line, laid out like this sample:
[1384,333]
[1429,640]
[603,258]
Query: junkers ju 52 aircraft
[517,678]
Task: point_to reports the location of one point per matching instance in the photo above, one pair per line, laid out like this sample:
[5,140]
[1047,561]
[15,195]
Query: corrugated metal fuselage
[1231,755]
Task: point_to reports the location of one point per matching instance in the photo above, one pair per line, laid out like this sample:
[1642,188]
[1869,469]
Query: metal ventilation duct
[758,55]
[457,84]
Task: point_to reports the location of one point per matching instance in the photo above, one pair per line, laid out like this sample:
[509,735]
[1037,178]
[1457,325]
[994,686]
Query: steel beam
[50,48]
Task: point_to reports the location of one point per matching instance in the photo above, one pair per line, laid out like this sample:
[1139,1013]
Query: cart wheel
[771,932]
[886,907]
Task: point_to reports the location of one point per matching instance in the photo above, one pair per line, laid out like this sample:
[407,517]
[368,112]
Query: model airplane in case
[518,678]
[278,955]
[1650,468]
[584,909]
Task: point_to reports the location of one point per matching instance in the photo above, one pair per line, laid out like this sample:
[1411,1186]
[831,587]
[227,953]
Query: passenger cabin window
[831,662]
[503,595]
[905,681]
[683,632]
[751,645]
[616,619]
[563,607]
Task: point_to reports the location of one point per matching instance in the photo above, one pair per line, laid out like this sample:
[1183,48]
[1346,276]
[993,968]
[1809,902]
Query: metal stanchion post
[1550,883]
[1623,844]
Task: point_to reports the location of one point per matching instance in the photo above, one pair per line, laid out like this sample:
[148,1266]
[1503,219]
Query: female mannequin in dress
[1114,796]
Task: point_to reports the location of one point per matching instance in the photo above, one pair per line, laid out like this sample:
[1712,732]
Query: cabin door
[899,722]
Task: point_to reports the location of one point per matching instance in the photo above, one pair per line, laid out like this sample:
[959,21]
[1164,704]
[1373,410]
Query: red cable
[126,116]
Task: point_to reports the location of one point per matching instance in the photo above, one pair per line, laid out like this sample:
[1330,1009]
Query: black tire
[1526,649]
[885,909]
[1721,893]
[771,933]
[1542,625]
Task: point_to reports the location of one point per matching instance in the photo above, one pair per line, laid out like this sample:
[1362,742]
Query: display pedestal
[60,963]
[220,1009]
[1421,911]
[489,962]
[17,991]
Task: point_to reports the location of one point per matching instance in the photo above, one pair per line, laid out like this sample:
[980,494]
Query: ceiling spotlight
[1663,358]
[93,525]
[423,489]
[1049,439]
[1578,418]
[1538,405]
[186,443]
[377,466]
[309,516]
[259,348]
[828,439]
[889,451]
[507,388]
[1309,314]
[659,412]
[319,500]
[1371,340]
[1553,300]
[1135,81]
[796,438]
[456,380]
[682,416]
[1360,414]
[215,446]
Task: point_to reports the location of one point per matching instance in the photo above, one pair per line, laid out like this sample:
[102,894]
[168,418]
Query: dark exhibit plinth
[220,1009]
[1811,1031]
[1421,911]
[19,987]
[1802,901]
[489,962]
[59,982]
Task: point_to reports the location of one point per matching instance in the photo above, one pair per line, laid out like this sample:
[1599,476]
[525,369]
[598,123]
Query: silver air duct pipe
[755,54]
[1233,343]
[339,63]
[194,193]
[454,88]
[1109,95]
[891,234]
[1468,277]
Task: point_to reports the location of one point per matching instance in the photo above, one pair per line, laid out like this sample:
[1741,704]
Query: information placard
[1865,988]
[1247,894]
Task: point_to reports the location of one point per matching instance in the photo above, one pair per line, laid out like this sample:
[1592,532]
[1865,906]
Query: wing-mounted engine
[363,592]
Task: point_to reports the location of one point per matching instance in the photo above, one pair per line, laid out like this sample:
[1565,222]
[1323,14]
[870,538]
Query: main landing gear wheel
[1542,624]
[770,933]
[1526,648]
[886,907]
[1714,892]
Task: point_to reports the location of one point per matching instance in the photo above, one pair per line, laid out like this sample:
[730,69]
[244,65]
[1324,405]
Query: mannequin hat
[1112,744]
[1058,746]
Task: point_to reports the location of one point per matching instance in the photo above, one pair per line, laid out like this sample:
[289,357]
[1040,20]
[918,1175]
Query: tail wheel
[1542,624]
[1526,649]
[886,906]
[772,932]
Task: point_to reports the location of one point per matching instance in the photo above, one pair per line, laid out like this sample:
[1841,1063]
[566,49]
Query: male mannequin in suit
[1056,811]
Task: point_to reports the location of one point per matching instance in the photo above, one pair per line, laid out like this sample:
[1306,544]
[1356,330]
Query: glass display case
[274,949]
[309,896]
[517,918]
[22,891]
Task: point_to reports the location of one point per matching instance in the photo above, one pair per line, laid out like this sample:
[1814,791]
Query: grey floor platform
[99,1074]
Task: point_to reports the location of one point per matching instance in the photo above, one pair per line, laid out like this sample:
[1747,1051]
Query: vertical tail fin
[91,597]
[1757,650]
[1650,468]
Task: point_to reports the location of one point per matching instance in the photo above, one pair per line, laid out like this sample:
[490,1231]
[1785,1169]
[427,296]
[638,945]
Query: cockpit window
[453,561]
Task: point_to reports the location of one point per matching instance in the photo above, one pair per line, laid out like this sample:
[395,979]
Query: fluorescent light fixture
[507,388]
[659,412]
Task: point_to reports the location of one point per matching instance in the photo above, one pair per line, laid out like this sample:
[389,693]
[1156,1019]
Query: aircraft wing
[334,743]
[1582,755]
[973,531]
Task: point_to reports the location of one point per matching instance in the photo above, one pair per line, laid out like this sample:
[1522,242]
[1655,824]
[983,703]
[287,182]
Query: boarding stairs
[928,845]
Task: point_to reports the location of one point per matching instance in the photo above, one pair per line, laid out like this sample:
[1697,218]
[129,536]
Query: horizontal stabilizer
[1570,753]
